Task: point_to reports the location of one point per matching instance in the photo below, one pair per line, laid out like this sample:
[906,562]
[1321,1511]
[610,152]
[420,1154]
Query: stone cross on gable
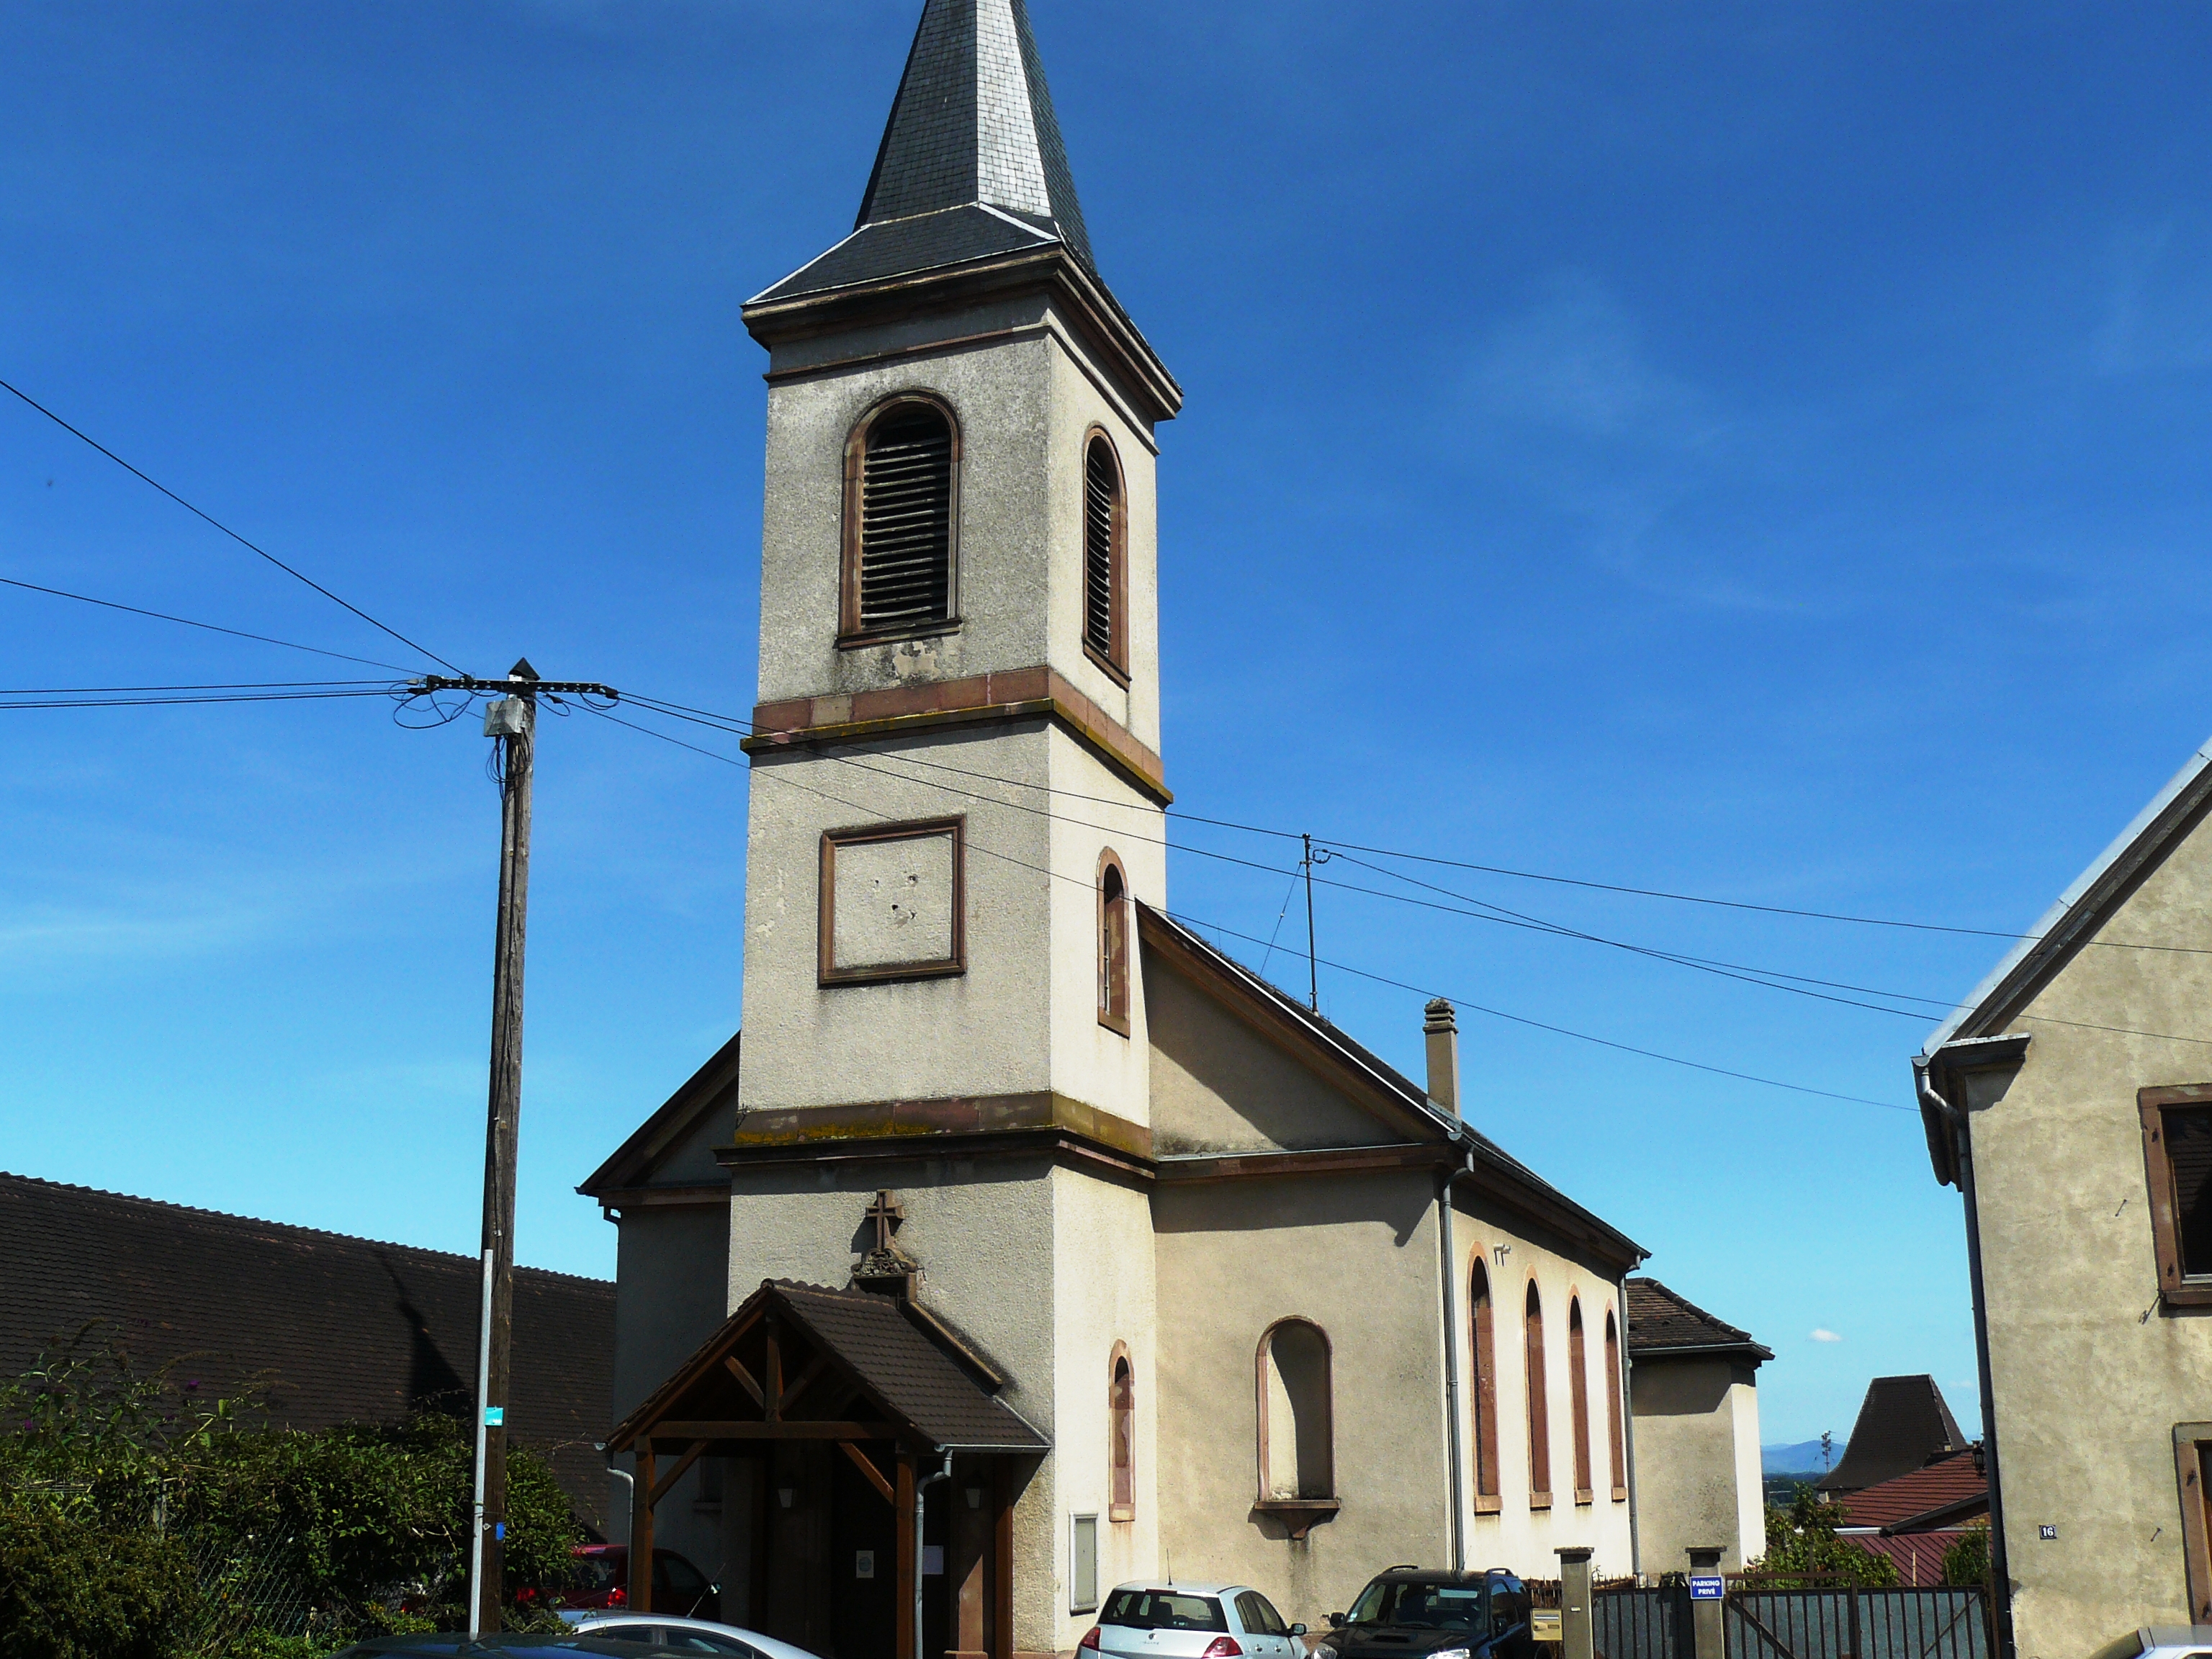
[887,1212]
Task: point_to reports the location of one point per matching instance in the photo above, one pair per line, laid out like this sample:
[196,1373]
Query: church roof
[971,165]
[1661,1321]
[712,1088]
[1904,1425]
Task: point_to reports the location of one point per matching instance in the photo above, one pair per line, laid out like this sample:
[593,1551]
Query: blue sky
[1745,449]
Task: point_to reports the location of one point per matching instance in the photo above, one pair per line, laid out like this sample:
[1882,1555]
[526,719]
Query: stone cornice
[1010,694]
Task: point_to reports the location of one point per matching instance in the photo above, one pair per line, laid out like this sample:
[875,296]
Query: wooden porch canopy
[867,1370]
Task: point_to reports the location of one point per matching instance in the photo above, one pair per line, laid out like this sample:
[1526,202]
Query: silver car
[662,1630]
[1191,1621]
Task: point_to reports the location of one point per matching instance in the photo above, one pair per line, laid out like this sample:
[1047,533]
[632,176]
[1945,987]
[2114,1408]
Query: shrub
[1802,1539]
[72,1588]
[1966,1562]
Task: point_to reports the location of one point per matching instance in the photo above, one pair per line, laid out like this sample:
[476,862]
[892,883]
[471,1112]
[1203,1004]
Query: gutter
[1938,1111]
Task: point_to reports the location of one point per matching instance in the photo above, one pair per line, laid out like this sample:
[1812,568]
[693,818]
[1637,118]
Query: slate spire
[971,163]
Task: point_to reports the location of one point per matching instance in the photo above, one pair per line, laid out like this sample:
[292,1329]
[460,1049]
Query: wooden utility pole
[511,720]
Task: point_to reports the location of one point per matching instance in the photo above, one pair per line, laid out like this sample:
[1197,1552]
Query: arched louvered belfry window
[1540,1413]
[1105,631]
[1121,1437]
[1616,1449]
[1113,945]
[1578,1394]
[1484,1332]
[902,521]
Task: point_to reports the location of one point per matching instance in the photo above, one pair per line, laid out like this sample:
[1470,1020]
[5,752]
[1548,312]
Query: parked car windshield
[595,1573]
[1148,1609]
[1430,1607]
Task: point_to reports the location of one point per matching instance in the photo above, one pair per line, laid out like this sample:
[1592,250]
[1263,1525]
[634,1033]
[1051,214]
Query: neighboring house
[1028,1208]
[2070,1101]
[1904,1424]
[1915,1518]
[1693,1404]
[340,1329]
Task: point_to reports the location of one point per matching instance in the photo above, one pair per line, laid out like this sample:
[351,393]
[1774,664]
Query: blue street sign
[1707,1587]
[495,1417]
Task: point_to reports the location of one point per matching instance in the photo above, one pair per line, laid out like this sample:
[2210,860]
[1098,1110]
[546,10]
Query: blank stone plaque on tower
[892,902]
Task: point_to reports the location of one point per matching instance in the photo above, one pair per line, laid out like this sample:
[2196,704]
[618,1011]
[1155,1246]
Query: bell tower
[957,783]
[957,796]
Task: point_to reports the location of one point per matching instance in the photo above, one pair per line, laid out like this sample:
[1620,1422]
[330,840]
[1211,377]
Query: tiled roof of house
[1902,1424]
[348,1329]
[971,163]
[1938,1490]
[1661,1320]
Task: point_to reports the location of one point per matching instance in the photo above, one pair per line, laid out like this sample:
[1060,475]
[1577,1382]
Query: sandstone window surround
[1105,558]
[1539,1415]
[1112,944]
[2177,1135]
[893,902]
[1121,1436]
[2192,1468]
[1297,1439]
[1483,1334]
[900,568]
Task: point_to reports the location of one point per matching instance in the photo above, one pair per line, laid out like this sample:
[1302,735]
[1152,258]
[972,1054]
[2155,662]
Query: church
[1024,1242]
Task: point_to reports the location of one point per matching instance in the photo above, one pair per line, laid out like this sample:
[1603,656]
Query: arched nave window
[1297,1452]
[1578,1397]
[1539,1415]
[1483,1322]
[1615,1445]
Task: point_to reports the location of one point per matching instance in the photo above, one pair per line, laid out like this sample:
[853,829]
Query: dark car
[1408,1612]
[601,1580]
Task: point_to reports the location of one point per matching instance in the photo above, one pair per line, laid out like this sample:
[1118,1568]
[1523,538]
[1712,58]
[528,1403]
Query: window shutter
[1101,485]
[906,520]
[2189,1153]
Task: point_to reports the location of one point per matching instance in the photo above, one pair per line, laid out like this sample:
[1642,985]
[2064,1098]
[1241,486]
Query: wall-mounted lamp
[1500,1252]
[974,1498]
[786,1494]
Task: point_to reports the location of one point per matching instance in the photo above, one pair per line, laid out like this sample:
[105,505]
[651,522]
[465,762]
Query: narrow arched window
[1297,1450]
[902,473]
[1484,1333]
[1578,1396]
[1539,1415]
[1104,532]
[1113,945]
[1616,1448]
[1121,1437]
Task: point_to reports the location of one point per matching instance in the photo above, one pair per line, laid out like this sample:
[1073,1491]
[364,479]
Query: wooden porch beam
[683,1466]
[866,1466]
[800,1384]
[640,1532]
[907,1547]
[736,1369]
[773,1405]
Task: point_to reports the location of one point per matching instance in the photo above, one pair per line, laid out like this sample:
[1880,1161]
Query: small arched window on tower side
[1113,945]
[1121,1437]
[1539,1415]
[1298,1431]
[1483,1333]
[1578,1396]
[1105,535]
[902,521]
[1616,1447]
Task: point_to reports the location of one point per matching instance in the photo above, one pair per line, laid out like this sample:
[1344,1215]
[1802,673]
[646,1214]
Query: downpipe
[1455,1451]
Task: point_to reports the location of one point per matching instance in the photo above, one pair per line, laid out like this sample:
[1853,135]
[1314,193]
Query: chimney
[1441,1028]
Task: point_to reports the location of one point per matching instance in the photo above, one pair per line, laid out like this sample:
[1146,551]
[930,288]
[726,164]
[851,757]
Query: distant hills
[1800,1457]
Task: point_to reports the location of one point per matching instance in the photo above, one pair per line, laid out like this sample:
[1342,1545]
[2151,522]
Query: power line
[212,627]
[250,546]
[1499,1013]
[733,724]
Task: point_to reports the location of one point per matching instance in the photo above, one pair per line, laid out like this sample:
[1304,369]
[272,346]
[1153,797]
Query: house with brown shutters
[2070,1101]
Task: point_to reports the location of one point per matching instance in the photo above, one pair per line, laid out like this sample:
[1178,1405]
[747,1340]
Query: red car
[602,1580]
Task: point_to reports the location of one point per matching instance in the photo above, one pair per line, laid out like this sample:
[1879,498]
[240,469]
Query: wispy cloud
[2157,302]
[1822,1334]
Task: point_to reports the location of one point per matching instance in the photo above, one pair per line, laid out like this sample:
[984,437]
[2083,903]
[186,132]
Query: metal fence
[1629,1621]
[1791,1620]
